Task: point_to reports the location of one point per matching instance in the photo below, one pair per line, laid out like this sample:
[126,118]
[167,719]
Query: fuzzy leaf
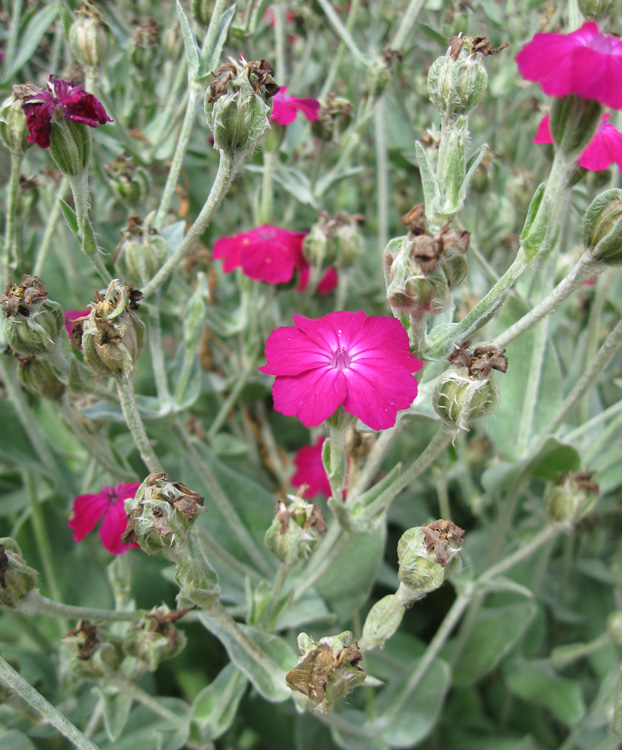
[538,683]
[215,706]
[190,45]
[37,26]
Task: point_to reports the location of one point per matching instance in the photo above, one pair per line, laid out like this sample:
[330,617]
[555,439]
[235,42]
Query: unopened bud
[89,36]
[466,392]
[95,653]
[327,670]
[602,228]
[33,322]
[160,515]
[235,105]
[16,578]
[572,497]
[295,531]
[380,71]
[130,183]
[40,378]
[155,638]
[13,129]
[145,45]
[142,252]
[383,620]
[113,336]
[457,81]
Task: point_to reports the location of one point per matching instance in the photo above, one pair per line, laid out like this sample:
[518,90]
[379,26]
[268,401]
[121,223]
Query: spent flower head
[344,358]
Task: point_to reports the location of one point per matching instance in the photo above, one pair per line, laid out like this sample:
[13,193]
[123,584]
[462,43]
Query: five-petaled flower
[343,359]
[310,470]
[70,100]
[604,149]
[285,108]
[585,62]
[108,504]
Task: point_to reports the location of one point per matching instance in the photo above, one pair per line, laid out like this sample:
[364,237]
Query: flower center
[340,359]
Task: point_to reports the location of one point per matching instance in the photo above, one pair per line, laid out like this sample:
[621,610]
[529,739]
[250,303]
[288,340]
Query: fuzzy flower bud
[296,530]
[94,652]
[327,670]
[130,183]
[427,555]
[142,252]
[155,638]
[235,105]
[379,72]
[602,228]
[113,335]
[32,323]
[16,578]
[40,378]
[572,497]
[598,10]
[145,46]
[88,36]
[13,128]
[160,515]
[458,80]
[466,391]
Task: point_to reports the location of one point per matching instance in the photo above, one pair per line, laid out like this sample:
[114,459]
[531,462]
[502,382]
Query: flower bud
[16,578]
[13,129]
[40,378]
[317,245]
[235,105]
[155,638]
[142,252]
[202,11]
[129,183]
[379,72]
[94,652]
[88,36]
[296,530]
[327,670]
[427,555]
[33,322]
[602,228]
[383,620]
[113,336]
[466,391]
[70,146]
[335,114]
[614,627]
[572,497]
[145,45]
[598,10]
[457,81]
[160,515]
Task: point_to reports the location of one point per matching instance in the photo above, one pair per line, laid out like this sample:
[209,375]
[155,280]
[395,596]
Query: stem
[215,550]
[546,534]
[50,229]
[80,190]
[334,545]
[336,61]
[36,604]
[601,360]
[9,259]
[157,355]
[382,175]
[267,192]
[374,461]
[125,389]
[130,688]
[279,581]
[178,158]
[227,169]
[540,340]
[34,699]
[406,24]
[228,403]
[279,42]
[584,269]
[341,31]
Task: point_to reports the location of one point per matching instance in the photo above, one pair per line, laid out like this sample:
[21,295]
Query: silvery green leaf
[210,56]
[431,189]
[190,45]
[215,707]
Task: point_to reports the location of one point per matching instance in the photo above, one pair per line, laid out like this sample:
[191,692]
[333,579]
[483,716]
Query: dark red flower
[72,101]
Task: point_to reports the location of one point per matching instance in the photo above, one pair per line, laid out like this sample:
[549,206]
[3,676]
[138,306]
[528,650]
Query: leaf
[472,166]
[267,674]
[15,447]
[146,729]
[31,37]
[116,712]
[14,740]
[294,181]
[70,217]
[494,633]
[215,707]
[333,177]
[89,243]
[190,45]
[210,56]
[225,444]
[538,683]
[174,235]
[431,190]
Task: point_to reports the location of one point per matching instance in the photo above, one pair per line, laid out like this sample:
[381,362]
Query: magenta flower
[72,101]
[604,149]
[285,108]
[267,253]
[108,504]
[310,470]
[326,284]
[71,316]
[343,359]
[585,62]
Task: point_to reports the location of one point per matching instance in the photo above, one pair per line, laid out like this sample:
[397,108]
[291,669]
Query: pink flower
[585,62]
[326,284]
[344,358]
[71,316]
[604,149]
[286,108]
[72,101]
[267,253]
[108,504]
[311,471]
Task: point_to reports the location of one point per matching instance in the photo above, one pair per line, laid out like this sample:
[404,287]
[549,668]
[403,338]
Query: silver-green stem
[604,355]
[584,269]
[542,537]
[194,95]
[267,188]
[275,594]
[227,170]
[279,41]
[219,553]
[9,256]
[50,229]
[125,389]
[81,192]
[25,690]
[154,336]
[227,404]
[609,413]
[382,175]
[532,388]
[341,31]
[373,462]
[336,60]
[133,691]
[36,604]
[408,21]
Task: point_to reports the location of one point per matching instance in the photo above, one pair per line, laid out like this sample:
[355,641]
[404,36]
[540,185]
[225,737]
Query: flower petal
[289,351]
[334,330]
[113,527]
[86,512]
[312,396]
[310,470]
